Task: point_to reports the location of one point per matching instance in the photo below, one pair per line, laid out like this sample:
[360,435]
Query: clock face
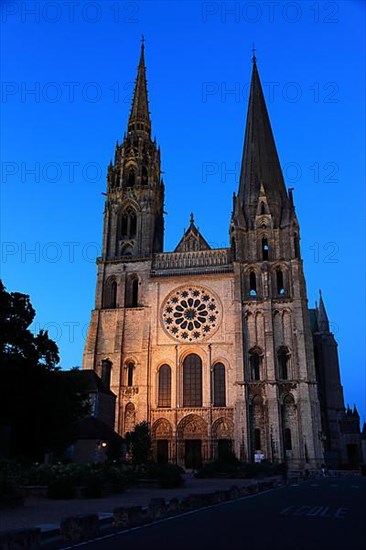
[191,313]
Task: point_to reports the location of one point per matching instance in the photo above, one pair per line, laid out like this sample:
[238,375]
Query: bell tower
[282,418]
[133,217]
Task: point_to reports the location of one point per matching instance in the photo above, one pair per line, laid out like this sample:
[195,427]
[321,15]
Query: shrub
[169,475]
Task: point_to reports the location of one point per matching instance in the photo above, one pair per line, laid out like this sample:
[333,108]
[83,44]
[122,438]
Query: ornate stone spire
[140,117]
[260,163]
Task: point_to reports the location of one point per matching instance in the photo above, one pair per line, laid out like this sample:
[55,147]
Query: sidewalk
[47,514]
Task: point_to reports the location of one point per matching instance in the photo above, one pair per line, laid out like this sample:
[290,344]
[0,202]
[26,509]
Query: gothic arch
[223,429]
[130,173]
[127,222]
[164,385]
[280,279]
[283,357]
[132,290]
[144,175]
[289,423]
[192,426]
[288,400]
[109,300]
[218,381]
[162,429]
[252,281]
[258,423]
[130,417]
[255,360]
[192,373]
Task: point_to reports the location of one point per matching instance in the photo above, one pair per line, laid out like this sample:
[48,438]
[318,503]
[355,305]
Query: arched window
[254,364]
[128,223]
[282,360]
[219,387]
[287,439]
[131,177]
[257,439]
[265,249]
[130,369]
[252,284]
[110,294]
[263,208]
[144,175]
[132,291]
[164,386]
[279,281]
[296,246]
[135,292]
[130,415]
[192,381]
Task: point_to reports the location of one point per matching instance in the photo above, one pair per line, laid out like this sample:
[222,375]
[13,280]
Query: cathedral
[215,348]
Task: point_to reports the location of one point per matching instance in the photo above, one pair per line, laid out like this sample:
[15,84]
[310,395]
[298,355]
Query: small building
[94,438]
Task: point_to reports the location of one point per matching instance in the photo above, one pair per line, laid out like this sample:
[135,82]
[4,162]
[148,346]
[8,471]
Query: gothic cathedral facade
[213,347]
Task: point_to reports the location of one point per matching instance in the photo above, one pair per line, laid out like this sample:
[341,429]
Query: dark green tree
[38,405]
[139,443]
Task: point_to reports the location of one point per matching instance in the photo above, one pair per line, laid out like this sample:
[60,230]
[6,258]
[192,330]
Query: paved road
[324,514]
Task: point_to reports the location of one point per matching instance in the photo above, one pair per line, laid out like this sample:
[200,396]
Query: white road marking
[314,511]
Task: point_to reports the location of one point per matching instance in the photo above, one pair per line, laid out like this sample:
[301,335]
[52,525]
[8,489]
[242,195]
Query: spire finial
[254,58]
[191,220]
[139,115]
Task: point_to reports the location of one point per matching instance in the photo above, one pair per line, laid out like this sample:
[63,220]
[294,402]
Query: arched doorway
[192,441]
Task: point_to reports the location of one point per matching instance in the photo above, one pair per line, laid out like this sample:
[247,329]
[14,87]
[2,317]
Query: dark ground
[327,513]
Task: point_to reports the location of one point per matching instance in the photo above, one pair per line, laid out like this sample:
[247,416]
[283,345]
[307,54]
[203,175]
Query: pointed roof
[140,103]
[192,239]
[260,163]
[323,322]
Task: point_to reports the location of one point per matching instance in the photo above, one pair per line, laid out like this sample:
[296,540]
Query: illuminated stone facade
[213,347]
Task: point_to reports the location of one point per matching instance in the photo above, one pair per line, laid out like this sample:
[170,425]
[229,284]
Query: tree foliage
[139,443]
[38,405]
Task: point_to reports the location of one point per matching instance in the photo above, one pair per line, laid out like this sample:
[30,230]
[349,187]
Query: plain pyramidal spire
[323,322]
[140,117]
[260,162]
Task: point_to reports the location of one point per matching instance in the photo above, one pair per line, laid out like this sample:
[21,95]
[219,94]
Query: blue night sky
[80,60]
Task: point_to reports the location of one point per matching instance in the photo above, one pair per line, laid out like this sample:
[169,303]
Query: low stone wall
[79,528]
[20,538]
[159,508]
[11,501]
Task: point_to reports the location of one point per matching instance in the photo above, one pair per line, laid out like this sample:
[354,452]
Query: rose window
[191,314]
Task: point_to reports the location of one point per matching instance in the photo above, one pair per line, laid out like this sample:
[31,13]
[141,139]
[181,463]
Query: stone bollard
[191,502]
[157,508]
[20,538]
[174,507]
[79,528]
[210,498]
[253,489]
[219,496]
[128,516]
[234,492]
